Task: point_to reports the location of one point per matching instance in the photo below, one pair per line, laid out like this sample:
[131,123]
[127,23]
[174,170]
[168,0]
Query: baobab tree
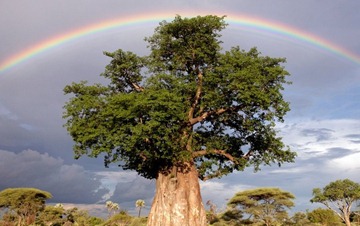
[185,112]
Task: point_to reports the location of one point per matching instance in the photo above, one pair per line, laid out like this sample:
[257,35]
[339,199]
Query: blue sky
[36,151]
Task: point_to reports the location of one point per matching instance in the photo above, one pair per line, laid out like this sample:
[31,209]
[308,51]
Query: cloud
[125,187]
[67,183]
[219,192]
[326,152]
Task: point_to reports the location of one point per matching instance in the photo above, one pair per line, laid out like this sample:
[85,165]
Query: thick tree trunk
[177,201]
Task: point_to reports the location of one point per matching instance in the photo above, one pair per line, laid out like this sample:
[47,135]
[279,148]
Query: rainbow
[242,21]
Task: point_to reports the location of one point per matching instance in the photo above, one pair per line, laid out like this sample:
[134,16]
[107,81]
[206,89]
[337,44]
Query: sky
[46,45]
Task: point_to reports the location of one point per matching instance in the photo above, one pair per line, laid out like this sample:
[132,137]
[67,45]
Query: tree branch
[215,151]
[197,96]
[205,178]
[134,85]
[219,111]
[137,87]
[247,155]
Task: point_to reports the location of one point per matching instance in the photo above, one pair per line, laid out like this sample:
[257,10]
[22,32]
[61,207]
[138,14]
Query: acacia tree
[339,197]
[265,205]
[186,111]
[25,203]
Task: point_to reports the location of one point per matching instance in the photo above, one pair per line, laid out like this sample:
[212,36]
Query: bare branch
[248,154]
[137,87]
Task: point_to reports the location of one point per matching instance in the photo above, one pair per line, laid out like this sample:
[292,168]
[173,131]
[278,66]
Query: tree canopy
[187,102]
[266,205]
[24,202]
[338,196]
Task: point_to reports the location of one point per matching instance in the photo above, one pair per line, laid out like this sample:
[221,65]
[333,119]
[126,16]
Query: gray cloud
[67,183]
[321,134]
[355,138]
[138,188]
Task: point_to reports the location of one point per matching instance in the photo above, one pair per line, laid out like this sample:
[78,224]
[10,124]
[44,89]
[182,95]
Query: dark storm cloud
[67,183]
[14,136]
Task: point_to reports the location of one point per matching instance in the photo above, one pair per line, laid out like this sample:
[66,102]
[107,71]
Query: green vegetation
[180,110]
[268,206]
[338,196]
[23,203]
[122,218]
[263,205]
[324,217]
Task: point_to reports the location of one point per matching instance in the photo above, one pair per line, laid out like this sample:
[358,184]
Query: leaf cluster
[345,191]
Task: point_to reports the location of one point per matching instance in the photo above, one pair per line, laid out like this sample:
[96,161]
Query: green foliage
[298,219]
[123,218]
[265,205]
[24,203]
[340,190]
[57,215]
[187,102]
[51,215]
[231,216]
[324,217]
[338,196]
[78,217]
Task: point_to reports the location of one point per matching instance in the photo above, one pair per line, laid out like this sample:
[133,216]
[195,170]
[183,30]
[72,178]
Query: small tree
[324,217]
[339,197]
[266,205]
[298,219]
[139,204]
[75,216]
[112,207]
[25,203]
[120,219]
[52,215]
[185,112]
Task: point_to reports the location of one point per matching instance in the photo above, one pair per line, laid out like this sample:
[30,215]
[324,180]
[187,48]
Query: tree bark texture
[177,200]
